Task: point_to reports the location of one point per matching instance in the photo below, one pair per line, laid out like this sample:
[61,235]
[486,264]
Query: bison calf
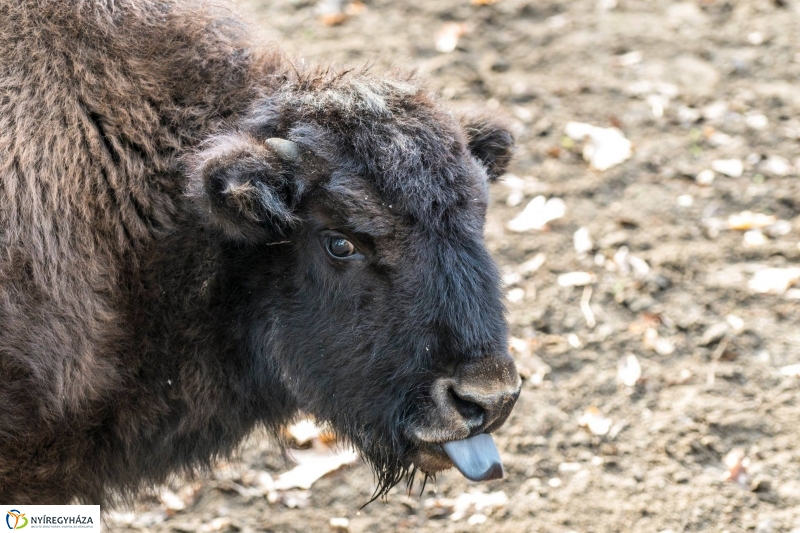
[198,238]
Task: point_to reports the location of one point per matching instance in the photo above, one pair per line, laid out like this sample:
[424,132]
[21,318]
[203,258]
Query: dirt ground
[688,83]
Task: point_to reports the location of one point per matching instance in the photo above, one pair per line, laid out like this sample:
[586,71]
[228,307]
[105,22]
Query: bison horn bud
[238,182]
[286,150]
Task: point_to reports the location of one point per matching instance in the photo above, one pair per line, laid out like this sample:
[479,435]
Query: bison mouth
[475,457]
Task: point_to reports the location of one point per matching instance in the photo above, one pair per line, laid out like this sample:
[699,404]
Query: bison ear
[489,139]
[244,186]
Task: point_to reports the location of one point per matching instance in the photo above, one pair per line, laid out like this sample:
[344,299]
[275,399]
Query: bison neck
[195,389]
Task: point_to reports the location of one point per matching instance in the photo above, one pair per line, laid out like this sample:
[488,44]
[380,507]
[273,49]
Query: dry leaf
[312,465]
[705,177]
[714,333]
[628,263]
[582,241]
[333,19]
[477,519]
[532,265]
[644,322]
[780,228]
[511,278]
[537,214]
[334,12]
[737,463]
[331,12]
[303,431]
[355,8]
[515,198]
[574,341]
[171,501]
[293,499]
[576,279]
[515,295]
[448,36]
[684,377]
[629,59]
[469,503]
[747,220]
[753,238]
[774,280]
[629,371]
[603,148]
[220,523]
[569,468]
[653,341]
[554,482]
[777,166]
[733,168]
[529,365]
[339,524]
[756,120]
[593,420]
[791,370]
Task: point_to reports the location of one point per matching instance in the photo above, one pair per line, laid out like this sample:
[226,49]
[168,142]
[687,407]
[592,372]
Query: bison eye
[339,247]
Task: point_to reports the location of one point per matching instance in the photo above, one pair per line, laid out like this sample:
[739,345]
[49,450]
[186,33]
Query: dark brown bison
[198,238]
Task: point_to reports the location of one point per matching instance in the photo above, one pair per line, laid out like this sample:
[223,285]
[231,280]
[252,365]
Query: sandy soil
[688,83]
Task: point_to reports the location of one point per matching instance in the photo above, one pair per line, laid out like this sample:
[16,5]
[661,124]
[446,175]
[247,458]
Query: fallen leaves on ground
[303,431]
[335,12]
[603,148]
[653,341]
[629,264]
[737,463]
[448,36]
[529,365]
[313,464]
[533,264]
[791,370]
[576,279]
[339,524]
[594,420]
[733,168]
[537,214]
[582,241]
[747,220]
[629,371]
[473,505]
[774,280]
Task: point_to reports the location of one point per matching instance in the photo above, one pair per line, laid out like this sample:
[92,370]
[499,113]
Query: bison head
[349,212]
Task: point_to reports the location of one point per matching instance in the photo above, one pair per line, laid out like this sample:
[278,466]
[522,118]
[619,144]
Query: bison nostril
[471,412]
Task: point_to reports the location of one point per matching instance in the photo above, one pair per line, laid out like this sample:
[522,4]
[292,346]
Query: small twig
[586,309]
[718,351]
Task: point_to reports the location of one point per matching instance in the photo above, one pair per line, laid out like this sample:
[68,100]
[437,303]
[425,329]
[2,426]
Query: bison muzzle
[199,237]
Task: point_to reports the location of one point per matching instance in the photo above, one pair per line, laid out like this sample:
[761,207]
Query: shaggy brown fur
[119,337]
[96,101]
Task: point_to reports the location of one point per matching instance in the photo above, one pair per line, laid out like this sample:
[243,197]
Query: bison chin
[476,458]
[393,457]
[383,440]
[392,460]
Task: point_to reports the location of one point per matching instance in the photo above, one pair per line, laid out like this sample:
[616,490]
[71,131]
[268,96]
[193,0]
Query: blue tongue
[476,457]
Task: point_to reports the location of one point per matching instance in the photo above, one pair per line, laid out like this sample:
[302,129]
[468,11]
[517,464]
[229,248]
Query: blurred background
[649,235]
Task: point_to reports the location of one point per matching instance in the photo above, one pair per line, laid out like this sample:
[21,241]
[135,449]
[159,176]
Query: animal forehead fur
[389,131]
